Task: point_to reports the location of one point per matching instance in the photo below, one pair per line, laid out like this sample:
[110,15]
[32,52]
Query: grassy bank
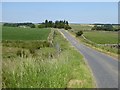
[60,66]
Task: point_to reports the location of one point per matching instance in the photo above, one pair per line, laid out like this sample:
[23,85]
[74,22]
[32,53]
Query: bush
[79,33]
[41,26]
[66,27]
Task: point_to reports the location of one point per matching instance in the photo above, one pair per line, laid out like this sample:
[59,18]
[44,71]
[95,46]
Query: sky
[60,0]
[74,12]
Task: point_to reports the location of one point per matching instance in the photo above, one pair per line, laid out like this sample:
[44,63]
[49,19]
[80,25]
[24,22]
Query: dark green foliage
[105,27]
[57,24]
[66,27]
[117,29]
[41,26]
[31,25]
[79,33]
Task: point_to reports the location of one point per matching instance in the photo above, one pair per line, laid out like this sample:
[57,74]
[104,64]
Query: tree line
[104,27]
[31,25]
[57,24]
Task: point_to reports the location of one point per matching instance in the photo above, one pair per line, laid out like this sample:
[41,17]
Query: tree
[41,26]
[106,27]
[58,24]
[19,24]
[67,22]
[79,33]
[46,23]
[66,27]
[32,26]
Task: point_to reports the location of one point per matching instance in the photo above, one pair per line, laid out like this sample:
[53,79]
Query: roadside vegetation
[50,62]
[79,33]
[102,37]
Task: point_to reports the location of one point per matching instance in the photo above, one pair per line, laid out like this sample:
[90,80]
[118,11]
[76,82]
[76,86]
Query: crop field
[16,33]
[78,27]
[102,37]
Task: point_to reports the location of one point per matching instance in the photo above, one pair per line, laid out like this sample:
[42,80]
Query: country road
[103,67]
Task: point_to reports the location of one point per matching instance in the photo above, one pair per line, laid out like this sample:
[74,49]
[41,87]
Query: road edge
[93,77]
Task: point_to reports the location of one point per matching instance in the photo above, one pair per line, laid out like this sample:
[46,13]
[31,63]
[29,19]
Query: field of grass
[78,27]
[60,66]
[102,37]
[16,33]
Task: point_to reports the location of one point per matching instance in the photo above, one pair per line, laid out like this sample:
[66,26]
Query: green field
[59,66]
[102,37]
[78,27]
[16,33]
[97,37]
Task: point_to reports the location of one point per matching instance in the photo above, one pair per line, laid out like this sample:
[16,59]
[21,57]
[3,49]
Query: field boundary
[94,46]
[51,37]
[93,78]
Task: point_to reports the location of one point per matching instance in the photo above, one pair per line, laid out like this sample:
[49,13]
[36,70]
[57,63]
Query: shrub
[79,33]
[66,27]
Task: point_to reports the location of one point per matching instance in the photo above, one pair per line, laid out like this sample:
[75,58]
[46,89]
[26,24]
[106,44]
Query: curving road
[103,67]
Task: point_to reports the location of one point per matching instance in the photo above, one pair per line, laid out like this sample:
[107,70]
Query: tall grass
[48,69]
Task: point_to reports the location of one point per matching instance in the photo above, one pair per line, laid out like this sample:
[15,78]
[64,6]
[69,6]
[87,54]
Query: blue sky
[78,12]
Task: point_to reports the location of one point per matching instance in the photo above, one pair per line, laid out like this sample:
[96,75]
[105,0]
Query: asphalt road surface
[103,67]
